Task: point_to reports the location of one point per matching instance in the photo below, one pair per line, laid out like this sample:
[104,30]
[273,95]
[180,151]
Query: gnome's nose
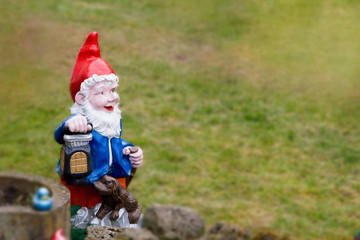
[113,98]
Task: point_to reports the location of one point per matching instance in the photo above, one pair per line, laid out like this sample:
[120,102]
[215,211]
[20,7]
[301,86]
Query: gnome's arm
[59,134]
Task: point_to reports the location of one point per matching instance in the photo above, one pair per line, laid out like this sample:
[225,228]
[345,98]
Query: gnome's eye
[101,93]
[113,90]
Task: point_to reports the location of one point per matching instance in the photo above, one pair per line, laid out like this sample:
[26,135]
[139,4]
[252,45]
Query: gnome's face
[99,102]
[103,97]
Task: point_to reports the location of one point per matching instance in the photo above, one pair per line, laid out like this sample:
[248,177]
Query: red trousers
[86,196]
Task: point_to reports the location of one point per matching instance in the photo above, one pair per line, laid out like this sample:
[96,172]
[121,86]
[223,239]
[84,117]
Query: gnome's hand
[78,124]
[136,156]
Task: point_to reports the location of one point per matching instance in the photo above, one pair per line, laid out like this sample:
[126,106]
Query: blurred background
[247,111]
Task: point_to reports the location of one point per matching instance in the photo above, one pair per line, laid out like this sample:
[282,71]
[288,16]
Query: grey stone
[107,233]
[111,233]
[173,222]
[139,234]
[224,231]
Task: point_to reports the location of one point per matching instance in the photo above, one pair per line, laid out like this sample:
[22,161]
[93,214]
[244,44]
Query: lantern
[75,160]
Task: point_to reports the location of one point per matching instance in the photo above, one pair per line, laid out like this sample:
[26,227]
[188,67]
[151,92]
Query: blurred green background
[247,111]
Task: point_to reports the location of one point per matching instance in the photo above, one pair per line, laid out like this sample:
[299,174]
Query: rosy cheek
[96,102]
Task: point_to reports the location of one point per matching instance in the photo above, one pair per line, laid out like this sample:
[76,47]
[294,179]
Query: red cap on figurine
[88,63]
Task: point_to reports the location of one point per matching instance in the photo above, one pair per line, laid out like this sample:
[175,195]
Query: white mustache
[104,122]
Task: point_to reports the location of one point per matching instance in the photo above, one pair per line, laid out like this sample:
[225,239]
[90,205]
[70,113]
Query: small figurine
[116,197]
[42,200]
[93,89]
[58,235]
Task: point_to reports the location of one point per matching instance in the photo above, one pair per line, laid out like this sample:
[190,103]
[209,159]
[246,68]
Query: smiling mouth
[109,108]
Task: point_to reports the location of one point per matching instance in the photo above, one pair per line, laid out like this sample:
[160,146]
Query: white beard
[105,123]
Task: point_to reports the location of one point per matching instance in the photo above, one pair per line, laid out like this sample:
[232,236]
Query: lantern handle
[67,131]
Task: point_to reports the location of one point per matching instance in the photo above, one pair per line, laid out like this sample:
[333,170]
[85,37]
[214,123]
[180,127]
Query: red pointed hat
[88,63]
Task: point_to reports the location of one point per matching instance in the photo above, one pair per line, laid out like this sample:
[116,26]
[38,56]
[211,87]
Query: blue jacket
[100,154]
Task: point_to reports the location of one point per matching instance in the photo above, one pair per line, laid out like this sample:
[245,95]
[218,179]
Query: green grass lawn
[247,111]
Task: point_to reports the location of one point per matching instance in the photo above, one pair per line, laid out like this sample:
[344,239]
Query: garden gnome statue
[93,89]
